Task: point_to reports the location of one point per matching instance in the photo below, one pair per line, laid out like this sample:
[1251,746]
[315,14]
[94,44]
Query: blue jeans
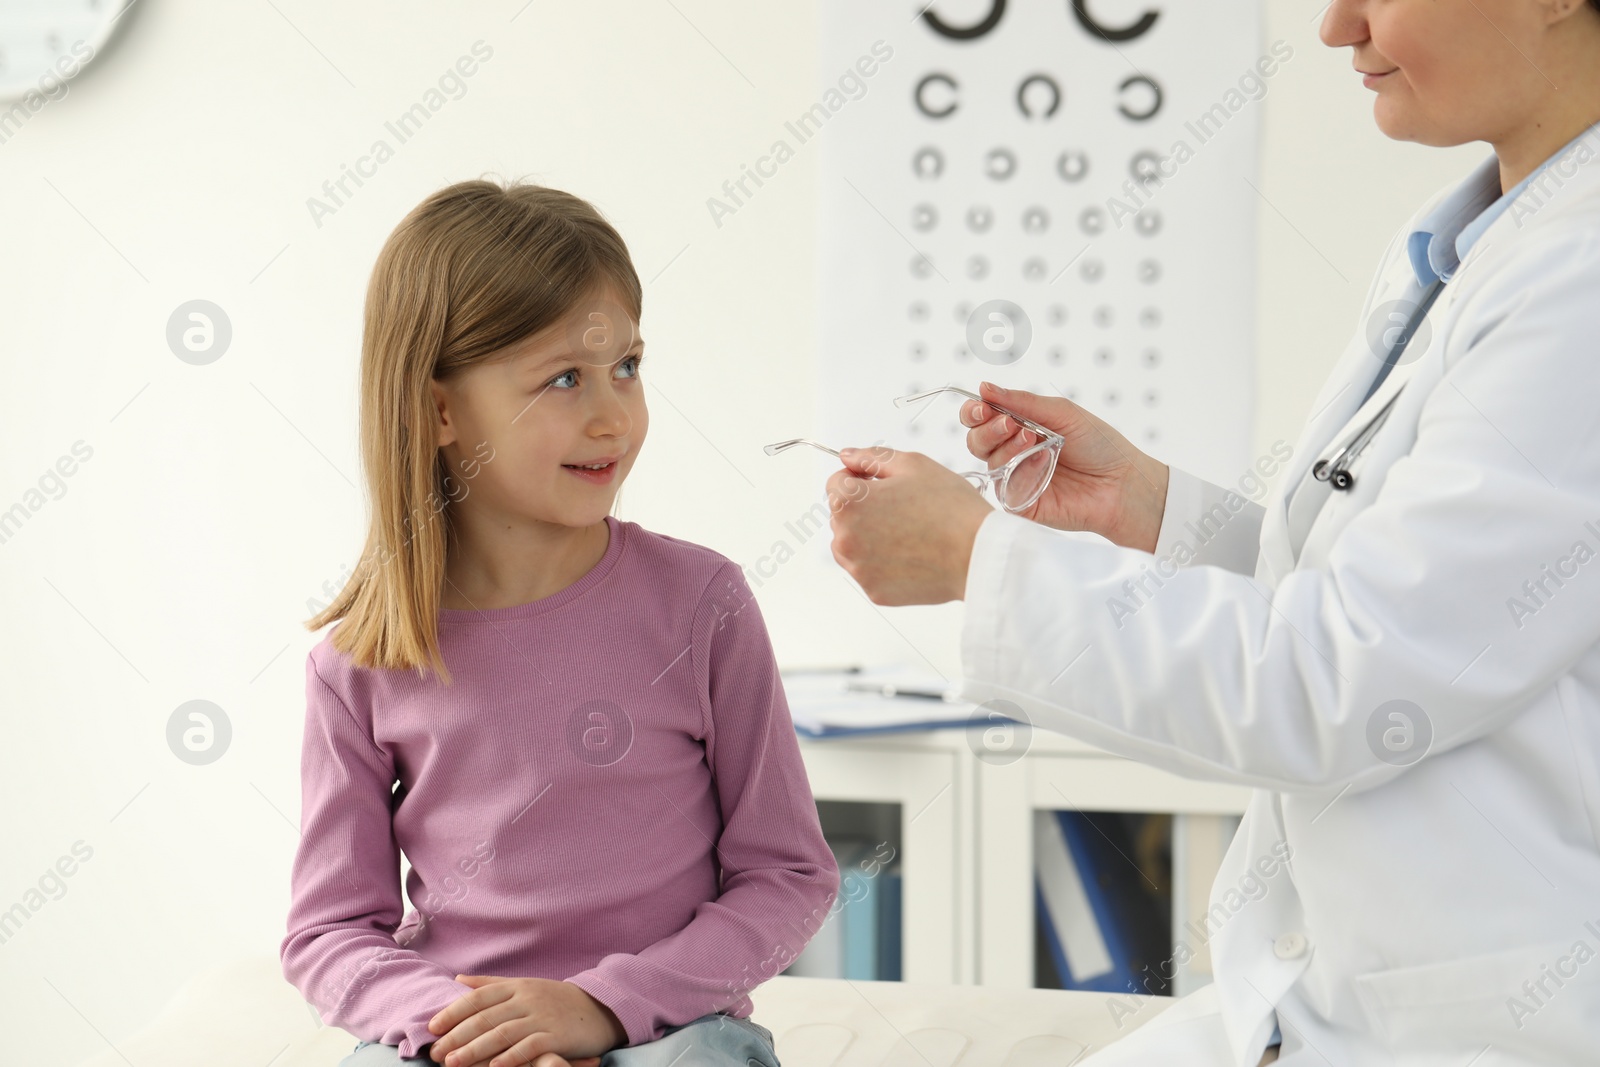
[714,1040]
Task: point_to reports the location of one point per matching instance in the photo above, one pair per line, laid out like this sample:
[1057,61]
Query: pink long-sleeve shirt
[609,793]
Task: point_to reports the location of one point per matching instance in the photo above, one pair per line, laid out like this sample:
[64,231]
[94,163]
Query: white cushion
[245,1013]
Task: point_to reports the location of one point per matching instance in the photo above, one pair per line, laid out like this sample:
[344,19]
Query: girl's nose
[608,414]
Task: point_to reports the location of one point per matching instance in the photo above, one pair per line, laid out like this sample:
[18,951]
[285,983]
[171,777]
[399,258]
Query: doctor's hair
[475,267]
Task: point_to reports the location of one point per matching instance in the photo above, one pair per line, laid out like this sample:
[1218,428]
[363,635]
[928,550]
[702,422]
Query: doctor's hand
[1102,483]
[903,525]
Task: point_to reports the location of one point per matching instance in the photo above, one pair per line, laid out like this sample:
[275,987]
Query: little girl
[572,726]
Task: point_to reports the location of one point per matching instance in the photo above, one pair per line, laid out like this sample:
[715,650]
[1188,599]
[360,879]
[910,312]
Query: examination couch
[243,1014]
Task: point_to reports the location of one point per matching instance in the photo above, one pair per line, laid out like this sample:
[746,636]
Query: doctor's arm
[1207,672]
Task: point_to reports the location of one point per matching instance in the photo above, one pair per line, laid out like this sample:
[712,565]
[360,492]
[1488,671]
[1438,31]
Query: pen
[890,690]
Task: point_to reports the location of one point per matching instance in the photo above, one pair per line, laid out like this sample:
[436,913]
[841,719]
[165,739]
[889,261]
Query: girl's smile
[600,474]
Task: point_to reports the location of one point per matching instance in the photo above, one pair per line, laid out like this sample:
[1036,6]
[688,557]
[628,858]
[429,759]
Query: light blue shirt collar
[1446,234]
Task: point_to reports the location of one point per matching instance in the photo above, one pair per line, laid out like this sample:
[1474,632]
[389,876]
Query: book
[823,955]
[889,919]
[1100,917]
[861,937]
[1068,918]
[862,893]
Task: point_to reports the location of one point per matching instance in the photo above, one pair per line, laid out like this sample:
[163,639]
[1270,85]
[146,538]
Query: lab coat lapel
[1311,493]
[1332,413]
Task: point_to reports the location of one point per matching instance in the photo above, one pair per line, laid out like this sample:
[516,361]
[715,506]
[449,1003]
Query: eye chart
[1055,195]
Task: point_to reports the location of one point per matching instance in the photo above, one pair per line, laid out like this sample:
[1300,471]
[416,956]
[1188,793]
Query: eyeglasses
[1017,484]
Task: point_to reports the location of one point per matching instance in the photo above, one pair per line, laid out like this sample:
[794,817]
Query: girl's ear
[441,404]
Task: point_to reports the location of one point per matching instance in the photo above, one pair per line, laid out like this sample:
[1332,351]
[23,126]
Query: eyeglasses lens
[1028,478]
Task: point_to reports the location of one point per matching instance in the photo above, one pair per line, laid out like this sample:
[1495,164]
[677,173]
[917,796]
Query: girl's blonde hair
[472,269]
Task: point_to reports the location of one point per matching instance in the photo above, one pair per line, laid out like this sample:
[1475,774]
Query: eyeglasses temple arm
[781,446]
[1021,420]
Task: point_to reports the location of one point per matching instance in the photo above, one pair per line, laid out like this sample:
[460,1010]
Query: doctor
[1406,665]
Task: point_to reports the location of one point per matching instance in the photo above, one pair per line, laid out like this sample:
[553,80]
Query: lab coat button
[1289,946]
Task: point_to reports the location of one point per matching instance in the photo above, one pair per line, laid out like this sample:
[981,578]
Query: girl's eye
[572,373]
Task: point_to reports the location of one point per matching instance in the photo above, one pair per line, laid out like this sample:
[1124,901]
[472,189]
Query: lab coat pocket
[1539,1001]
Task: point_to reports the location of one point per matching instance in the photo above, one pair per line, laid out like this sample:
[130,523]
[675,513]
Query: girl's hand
[551,1059]
[1102,483]
[523,1022]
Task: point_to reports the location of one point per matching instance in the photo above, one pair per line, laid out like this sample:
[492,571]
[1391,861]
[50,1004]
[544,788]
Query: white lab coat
[1418,898]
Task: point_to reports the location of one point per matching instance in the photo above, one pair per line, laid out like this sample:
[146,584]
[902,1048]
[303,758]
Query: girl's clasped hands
[522,1022]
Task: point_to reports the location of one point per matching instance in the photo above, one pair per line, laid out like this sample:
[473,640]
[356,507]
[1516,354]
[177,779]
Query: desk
[966,825]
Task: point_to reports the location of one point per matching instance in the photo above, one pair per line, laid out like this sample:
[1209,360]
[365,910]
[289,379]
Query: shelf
[966,844]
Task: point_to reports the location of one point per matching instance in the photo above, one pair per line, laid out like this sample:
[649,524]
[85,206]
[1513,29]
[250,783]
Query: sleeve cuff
[1183,502]
[412,1044]
[986,571]
[638,1025]
[415,1035]
[1208,524]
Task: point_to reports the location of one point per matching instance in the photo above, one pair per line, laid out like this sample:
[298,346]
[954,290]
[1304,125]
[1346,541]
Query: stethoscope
[1336,470]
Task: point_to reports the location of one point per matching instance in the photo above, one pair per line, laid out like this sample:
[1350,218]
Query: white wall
[218,499]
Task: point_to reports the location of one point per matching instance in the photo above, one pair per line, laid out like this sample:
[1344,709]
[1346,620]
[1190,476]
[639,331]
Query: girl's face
[516,428]
[1446,71]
